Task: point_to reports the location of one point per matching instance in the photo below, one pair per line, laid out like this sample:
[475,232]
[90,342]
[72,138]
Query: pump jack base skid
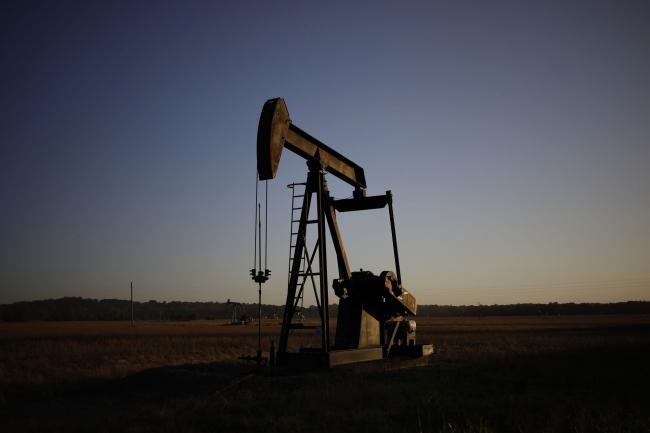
[357,359]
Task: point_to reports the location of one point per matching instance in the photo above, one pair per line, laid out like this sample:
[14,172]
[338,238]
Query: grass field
[491,374]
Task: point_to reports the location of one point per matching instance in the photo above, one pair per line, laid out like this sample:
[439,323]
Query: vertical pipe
[254,271]
[259,290]
[392,230]
[322,258]
[266,225]
[259,233]
[259,325]
[132,303]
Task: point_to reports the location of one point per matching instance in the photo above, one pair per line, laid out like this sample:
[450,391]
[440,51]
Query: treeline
[116,309]
[550,309]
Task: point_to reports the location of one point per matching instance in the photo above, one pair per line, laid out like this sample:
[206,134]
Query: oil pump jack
[372,321]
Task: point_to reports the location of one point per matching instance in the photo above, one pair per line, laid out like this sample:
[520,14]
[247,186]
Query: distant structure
[238,316]
[132,322]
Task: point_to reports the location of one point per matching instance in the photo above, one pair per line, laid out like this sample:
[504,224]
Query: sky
[514,135]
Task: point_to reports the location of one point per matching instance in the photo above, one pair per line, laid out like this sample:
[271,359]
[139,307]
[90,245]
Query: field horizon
[77,308]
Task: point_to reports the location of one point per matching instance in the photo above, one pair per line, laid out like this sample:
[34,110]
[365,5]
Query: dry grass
[472,339]
[55,352]
[565,373]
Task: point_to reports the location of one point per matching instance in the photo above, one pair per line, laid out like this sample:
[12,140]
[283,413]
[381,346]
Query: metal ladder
[296,208]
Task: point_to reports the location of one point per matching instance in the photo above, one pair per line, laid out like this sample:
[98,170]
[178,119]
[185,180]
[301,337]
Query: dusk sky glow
[514,135]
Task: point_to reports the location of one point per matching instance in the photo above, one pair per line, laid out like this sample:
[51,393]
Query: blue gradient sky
[515,136]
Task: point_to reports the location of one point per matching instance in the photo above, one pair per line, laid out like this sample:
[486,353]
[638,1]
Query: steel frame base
[402,356]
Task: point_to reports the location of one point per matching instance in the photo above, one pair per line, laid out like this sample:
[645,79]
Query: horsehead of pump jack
[371,323]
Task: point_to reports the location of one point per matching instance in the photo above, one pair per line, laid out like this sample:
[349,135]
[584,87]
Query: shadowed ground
[491,374]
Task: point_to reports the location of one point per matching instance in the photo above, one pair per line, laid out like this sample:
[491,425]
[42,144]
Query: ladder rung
[294,208]
[312,221]
[306,274]
[297,195]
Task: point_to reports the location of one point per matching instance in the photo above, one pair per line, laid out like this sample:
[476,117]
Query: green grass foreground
[512,375]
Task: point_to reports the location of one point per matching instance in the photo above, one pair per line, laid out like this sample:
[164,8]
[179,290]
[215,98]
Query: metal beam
[360,203]
[275,131]
[337,239]
[310,148]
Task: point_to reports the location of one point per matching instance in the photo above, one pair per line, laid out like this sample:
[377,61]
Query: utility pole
[132,324]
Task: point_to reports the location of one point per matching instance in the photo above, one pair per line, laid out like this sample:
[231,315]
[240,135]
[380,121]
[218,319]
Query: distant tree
[71,308]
